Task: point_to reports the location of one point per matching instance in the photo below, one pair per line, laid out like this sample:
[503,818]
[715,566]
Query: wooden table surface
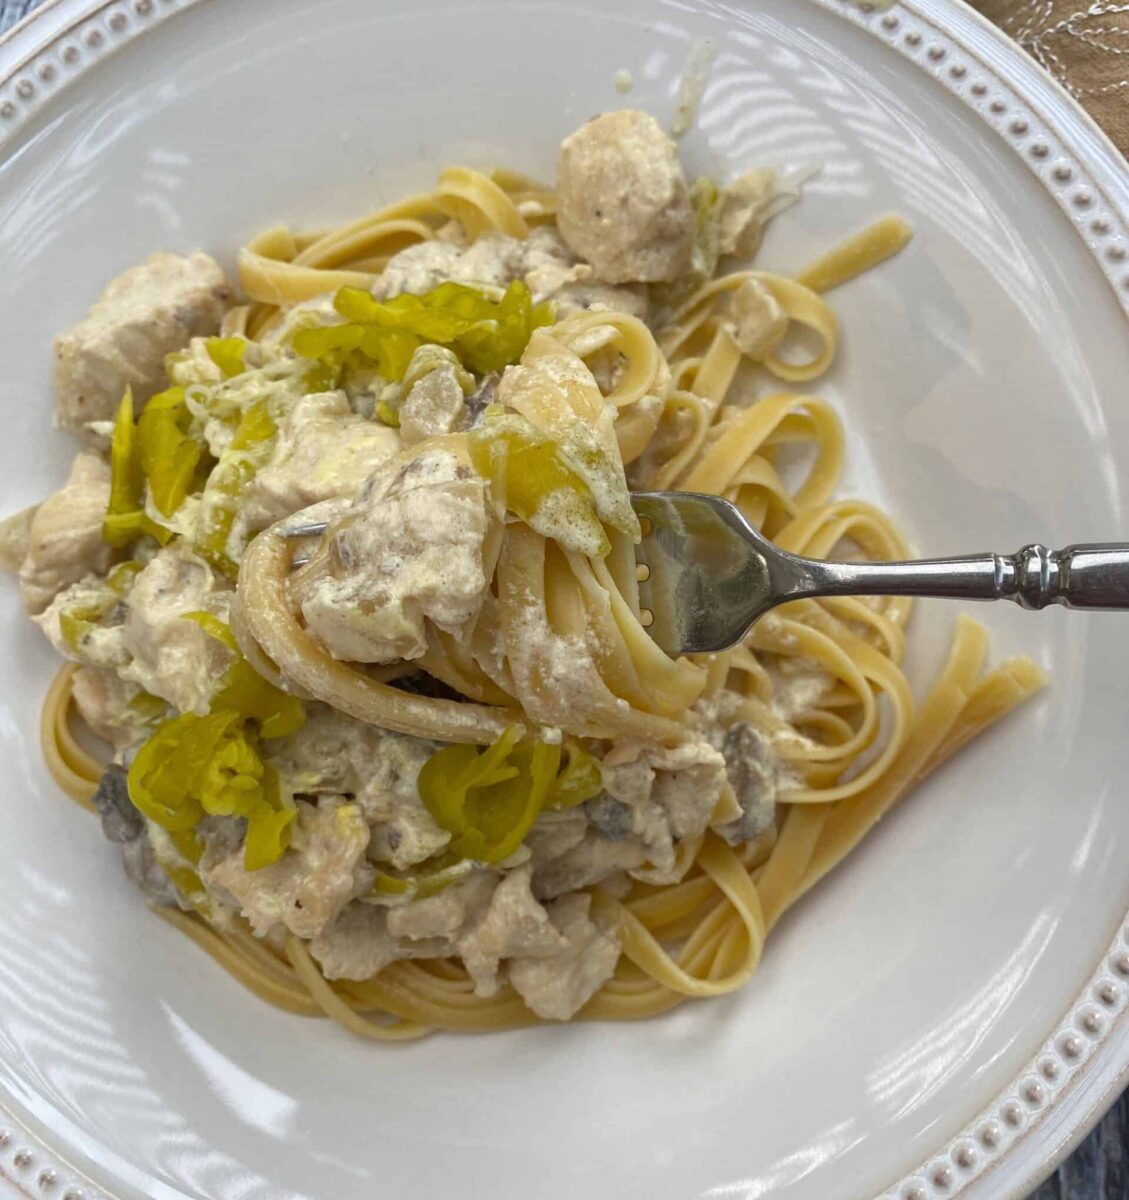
[1099,1168]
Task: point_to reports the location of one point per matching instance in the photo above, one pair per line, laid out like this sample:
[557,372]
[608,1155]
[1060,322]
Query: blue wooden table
[1099,1169]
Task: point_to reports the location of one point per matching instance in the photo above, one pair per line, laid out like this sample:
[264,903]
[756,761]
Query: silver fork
[709,576]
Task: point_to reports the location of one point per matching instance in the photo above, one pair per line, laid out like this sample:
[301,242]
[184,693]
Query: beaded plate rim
[1089,1048]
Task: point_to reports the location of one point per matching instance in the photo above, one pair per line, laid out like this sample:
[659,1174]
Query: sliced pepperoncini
[227,354]
[268,830]
[125,520]
[485,334]
[164,774]
[488,799]
[579,780]
[533,478]
[428,879]
[195,765]
[243,689]
[169,457]
[249,448]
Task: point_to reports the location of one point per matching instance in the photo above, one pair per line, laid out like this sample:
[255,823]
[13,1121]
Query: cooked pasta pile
[543,684]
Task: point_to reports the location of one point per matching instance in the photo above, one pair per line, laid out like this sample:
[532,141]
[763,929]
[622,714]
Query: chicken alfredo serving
[425,769]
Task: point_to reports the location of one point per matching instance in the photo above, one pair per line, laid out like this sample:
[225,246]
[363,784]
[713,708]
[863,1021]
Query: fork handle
[1091,577]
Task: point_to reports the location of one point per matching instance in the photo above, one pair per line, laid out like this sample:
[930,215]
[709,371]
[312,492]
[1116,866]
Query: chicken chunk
[404,832]
[548,267]
[145,313]
[100,642]
[445,914]
[623,202]
[556,987]
[586,863]
[335,753]
[323,869]
[173,657]
[672,791]
[383,774]
[358,945]
[434,406]
[103,698]
[656,797]
[481,920]
[542,260]
[688,783]
[411,553]
[555,833]
[323,451]
[331,752]
[758,322]
[514,925]
[610,816]
[592,296]
[420,268]
[65,534]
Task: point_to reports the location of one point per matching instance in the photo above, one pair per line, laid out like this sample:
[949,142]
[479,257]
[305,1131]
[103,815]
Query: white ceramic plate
[947,1013]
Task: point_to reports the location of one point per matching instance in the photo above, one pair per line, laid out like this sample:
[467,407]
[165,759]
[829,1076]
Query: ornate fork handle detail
[1088,577]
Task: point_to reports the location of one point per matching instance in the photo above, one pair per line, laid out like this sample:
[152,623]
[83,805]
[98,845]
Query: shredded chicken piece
[557,987]
[433,407]
[319,874]
[323,451]
[404,833]
[103,698]
[623,204]
[102,645]
[333,752]
[418,269]
[672,792]
[594,296]
[556,833]
[542,260]
[586,863]
[688,782]
[173,657]
[412,553]
[446,913]
[145,313]
[513,925]
[758,322]
[655,798]
[65,534]
[358,945]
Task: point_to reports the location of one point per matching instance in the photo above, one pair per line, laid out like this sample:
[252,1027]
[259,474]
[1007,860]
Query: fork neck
[1032,578]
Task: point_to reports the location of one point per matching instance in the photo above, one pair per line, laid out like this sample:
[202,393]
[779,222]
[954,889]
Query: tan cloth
[1084,44]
